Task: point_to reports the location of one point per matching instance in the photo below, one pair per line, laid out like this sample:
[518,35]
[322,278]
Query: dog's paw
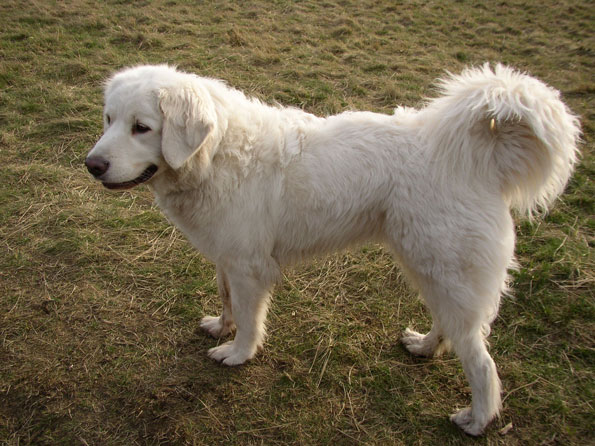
[214,326]
[464,419]
[418,344]
[229,354]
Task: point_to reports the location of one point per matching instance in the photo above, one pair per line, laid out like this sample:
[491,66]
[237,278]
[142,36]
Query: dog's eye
[140,128]
[108,119]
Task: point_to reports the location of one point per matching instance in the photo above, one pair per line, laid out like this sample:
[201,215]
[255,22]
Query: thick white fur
[255,187]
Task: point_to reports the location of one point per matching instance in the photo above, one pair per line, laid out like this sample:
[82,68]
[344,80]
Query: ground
[100,298]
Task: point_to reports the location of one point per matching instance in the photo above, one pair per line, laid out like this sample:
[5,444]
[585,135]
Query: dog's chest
[197,221]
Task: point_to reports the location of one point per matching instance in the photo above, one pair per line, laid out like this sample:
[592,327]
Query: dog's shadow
[231,397]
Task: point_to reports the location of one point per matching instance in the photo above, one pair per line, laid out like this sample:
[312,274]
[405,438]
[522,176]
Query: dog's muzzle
[98,167]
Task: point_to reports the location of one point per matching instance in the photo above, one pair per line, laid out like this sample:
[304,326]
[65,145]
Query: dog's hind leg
[249,304]
[220,326]
[432,344]
[460,267]
[485,384]
[466,327]
[463,301]
[463,317]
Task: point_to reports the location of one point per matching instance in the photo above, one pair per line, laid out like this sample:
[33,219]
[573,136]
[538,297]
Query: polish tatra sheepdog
[255,187]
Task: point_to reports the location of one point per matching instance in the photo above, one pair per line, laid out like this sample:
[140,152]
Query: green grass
[101,298]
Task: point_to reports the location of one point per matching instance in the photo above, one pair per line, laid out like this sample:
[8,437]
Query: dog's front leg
[249,304]
[220,326]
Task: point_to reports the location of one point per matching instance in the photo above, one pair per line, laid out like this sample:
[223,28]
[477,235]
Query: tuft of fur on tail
[505,129]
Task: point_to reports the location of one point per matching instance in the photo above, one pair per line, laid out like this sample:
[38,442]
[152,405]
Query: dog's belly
[310,235]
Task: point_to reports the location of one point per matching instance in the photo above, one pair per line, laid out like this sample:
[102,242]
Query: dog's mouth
[145,176]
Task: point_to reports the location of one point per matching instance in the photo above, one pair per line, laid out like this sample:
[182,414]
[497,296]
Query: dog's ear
[189,120]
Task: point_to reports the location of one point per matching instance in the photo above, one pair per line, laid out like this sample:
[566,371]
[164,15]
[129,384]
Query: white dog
[255,187]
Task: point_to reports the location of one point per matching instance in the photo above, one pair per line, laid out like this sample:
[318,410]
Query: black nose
[96,166]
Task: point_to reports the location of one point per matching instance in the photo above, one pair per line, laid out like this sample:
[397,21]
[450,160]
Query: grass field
[100,298]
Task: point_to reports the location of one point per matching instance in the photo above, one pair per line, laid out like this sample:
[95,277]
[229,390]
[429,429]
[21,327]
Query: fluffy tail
[504,129]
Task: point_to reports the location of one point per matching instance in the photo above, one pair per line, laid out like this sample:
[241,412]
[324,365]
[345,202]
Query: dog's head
[155,118]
